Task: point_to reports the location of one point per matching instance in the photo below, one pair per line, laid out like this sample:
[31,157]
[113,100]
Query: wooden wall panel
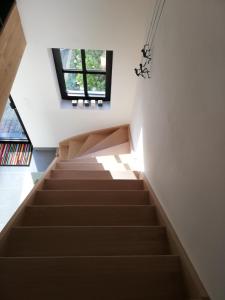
[12,45]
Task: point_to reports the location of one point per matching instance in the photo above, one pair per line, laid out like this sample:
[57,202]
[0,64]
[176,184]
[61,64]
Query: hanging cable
[146,61]
[157,24]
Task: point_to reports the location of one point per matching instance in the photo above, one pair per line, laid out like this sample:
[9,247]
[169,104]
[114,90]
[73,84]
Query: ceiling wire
[144,69]
[154,16]
[159,14]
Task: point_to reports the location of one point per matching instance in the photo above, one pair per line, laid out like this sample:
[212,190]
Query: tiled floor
[16,183]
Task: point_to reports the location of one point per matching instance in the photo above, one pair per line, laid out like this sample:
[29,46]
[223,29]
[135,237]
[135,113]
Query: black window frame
[62,85]
[27,140]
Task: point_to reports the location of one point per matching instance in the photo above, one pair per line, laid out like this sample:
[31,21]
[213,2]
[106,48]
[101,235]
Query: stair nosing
[52,190]
[90,226]
[92,256]
[90,205]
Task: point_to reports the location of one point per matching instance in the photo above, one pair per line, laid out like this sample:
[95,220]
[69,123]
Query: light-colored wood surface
[194,285]
[91,141]
[90,215]
[70,184]
[113,150]
[86,241]
[12,45]
[79,166]
[119,136]
[83,136]
[74,148]
[91,197]
[63,151]
[80,174]
[78,235]
[113,278]
[16,218]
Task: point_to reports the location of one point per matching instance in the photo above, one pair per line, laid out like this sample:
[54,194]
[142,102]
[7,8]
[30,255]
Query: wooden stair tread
[56,278]
[70,184]
[63,152]
[91,166]
[84,197]
[92,174]
[122,148]
[89,215]
[80,174]
[91,140]
[119,136]
[74,148]
[89,231]
[86,240]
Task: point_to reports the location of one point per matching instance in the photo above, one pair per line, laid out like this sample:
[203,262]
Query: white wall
[117,25]
[181,113]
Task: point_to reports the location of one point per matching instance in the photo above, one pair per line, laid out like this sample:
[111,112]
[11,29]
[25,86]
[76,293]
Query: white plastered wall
[180,113]
[117,25]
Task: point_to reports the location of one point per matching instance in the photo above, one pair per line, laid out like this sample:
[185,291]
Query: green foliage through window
[95,60]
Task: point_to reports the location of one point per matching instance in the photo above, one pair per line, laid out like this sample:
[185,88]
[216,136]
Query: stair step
[77,165]
[123,148]
[142,215]
[91,141]
[111,197]
[81,159]
[120,278]
[74,148]
[63,151]
[71,184]
[86,240]
[119,136]
[80,174]
[89,166]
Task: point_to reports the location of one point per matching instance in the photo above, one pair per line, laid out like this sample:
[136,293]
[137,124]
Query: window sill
[65,104]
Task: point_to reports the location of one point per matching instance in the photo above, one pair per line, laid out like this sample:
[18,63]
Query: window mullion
[84,72]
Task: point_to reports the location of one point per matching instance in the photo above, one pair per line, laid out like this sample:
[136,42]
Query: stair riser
[91,198]
[80,166]
[119,136]
[142,278]
[73,241]
[92,167]
[65,174]
[91,141]
[90,216]
[109,175]
[93,185]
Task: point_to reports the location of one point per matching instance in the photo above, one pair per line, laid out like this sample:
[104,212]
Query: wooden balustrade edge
[16,218]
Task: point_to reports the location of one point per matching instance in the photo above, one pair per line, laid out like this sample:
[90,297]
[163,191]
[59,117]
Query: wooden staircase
[82,234]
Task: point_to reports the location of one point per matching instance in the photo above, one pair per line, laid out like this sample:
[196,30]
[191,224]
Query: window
[84,74]
[11,125]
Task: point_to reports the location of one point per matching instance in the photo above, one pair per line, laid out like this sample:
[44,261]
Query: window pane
[96,84]
[71,58]
[74,83]
[10,127]
[95,59]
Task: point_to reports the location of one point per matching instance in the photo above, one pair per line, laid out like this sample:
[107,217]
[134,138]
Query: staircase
[89,231]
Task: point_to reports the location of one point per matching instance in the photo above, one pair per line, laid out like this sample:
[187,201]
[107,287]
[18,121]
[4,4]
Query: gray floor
[16,182]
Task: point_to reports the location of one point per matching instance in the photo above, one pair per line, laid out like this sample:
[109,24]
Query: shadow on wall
[138,152]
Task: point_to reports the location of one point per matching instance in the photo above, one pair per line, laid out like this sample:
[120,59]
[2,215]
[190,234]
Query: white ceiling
[118,25]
